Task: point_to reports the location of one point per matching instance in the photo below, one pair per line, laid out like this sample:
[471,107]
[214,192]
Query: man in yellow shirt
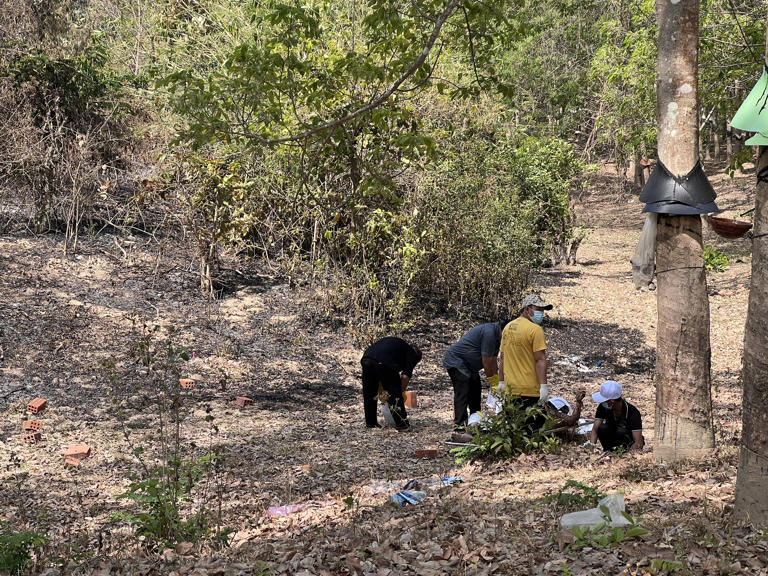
[523,357]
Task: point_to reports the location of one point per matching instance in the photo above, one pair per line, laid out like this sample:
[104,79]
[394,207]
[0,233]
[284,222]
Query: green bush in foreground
[604,535]
[16,548]
[506,435]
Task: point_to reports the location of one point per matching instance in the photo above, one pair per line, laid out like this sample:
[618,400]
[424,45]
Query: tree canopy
[335,139]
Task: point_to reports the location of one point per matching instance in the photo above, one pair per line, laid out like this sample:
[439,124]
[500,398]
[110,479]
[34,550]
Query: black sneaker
[377,425]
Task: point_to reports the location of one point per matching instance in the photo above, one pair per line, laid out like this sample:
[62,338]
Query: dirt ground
[70,328]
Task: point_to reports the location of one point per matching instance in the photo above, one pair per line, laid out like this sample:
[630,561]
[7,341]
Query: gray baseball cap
[535,300]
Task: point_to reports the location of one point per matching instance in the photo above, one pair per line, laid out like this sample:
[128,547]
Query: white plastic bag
[585,426]
[493,403]
[594,516]
[389,420]
[475,419]
[644,260]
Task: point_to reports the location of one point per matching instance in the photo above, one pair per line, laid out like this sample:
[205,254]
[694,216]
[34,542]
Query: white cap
[610,390]
[559,403]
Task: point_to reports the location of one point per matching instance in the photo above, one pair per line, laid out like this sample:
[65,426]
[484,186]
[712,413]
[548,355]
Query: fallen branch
[12,391]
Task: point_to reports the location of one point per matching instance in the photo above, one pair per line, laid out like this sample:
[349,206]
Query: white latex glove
[543,393]
[500,388]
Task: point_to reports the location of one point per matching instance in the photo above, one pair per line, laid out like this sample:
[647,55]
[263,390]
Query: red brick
[411,400]
[186,382]
[33,425]
[243,401]
[78,451]
[430,453]
[72,461]
[37,405]
[33,438]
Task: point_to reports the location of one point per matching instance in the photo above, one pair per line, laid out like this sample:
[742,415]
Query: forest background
[405,161]
[223,125]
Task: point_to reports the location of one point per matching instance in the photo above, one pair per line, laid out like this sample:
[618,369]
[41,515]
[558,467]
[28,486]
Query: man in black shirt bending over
[389,362]
[617,422]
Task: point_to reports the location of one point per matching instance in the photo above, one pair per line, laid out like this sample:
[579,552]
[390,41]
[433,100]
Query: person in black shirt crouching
[388,363]
[617,422]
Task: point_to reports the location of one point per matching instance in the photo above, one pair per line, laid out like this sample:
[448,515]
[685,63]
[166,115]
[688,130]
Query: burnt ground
[71,328]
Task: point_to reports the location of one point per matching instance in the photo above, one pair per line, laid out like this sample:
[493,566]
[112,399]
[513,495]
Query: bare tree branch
[471,44]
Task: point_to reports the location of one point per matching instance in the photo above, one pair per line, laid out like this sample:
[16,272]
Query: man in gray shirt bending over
[477,349]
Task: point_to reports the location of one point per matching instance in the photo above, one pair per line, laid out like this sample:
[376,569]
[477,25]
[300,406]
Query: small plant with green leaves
[665,566]
[172,488]
[575,495]
[16,548]
[160,494]
[506,435]
[604,535]
[714,260]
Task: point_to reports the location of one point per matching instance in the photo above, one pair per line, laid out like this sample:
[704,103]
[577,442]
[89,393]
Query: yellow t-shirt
[519,340]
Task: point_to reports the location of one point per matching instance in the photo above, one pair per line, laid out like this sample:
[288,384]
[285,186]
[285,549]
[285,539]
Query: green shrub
[486,216]
[425,212]
[16,548]
[714,260]
[604,535]
[160,494]
[575,495]
[506,435]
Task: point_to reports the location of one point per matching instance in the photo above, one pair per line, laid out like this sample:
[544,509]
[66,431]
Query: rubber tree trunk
[752,479]
[751,502]
[683,397]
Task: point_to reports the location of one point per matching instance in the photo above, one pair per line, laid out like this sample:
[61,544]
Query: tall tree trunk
[752,479]
[44,201]
[751,502]
[737,139]
[683,397]
[708,145]
[638,178]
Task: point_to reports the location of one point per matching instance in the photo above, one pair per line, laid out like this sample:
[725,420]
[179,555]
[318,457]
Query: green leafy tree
[546,63]
[623,72]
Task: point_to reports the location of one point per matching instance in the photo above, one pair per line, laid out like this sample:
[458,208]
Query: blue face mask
[537,317]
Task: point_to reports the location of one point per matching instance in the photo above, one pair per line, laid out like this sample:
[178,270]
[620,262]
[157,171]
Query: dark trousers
[389,378]
[616,436]
[536,420]
[467,394]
